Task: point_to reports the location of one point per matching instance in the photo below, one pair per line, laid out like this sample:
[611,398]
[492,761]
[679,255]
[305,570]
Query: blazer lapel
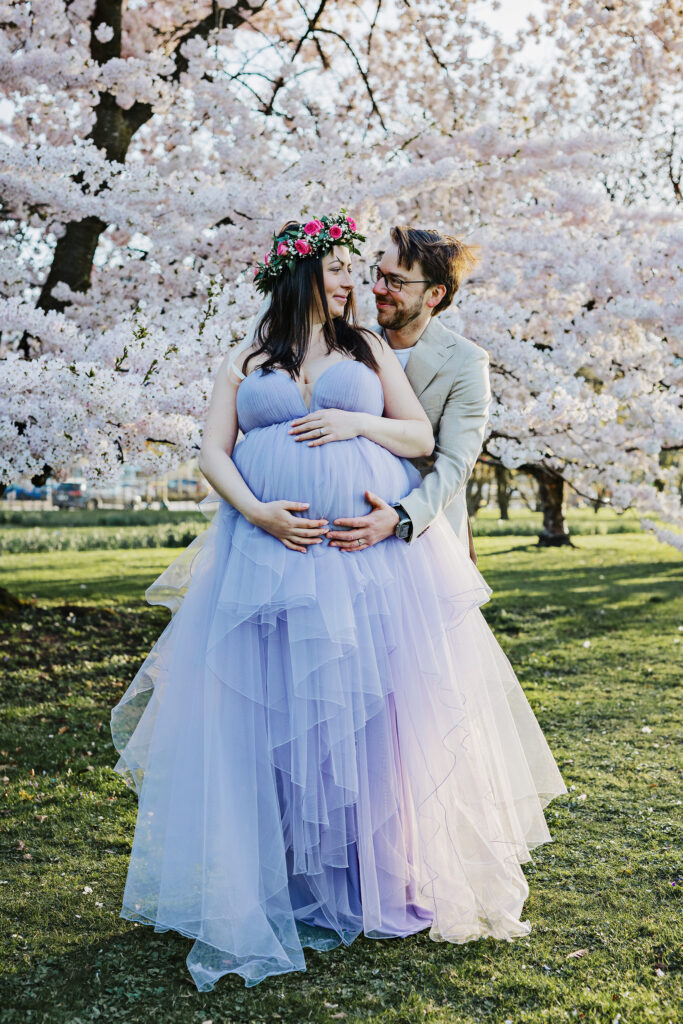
[428,356]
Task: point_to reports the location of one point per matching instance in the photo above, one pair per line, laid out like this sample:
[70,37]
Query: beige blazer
[450,376]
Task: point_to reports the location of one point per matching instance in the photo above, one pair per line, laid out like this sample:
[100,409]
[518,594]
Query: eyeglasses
[391,282]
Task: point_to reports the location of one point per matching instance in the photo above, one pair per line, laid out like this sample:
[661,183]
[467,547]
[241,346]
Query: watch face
[403,529]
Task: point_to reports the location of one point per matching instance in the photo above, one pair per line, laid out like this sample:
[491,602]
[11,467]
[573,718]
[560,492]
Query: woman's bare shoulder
[243,360]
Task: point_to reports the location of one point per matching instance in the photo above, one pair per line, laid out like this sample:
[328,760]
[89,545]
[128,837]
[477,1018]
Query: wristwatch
[404,527]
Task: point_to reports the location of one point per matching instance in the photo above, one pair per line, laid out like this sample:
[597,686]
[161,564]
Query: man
[416,279]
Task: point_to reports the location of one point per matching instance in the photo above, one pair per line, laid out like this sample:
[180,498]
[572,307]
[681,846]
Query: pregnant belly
[332,478]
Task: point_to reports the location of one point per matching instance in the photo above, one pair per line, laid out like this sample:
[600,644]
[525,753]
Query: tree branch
[112,132]
[279,83]
[675,181]
[363,74]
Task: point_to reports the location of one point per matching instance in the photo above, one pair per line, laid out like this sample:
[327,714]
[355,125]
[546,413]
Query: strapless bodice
[267,398]
[332,478]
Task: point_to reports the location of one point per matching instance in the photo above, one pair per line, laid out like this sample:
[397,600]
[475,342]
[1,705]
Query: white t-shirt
[403,355]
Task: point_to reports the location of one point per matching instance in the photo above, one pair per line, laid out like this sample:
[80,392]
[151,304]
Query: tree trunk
[476,486]
[473,496]
[551,496]
[503,491]
[599,501]
[112,131]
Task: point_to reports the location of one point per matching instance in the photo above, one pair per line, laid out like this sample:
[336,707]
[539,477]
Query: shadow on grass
[594,584]
[608,884]
[109,588]
[142,975]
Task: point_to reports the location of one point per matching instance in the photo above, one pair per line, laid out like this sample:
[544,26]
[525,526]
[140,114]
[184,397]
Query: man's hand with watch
[404,526]
[382,522]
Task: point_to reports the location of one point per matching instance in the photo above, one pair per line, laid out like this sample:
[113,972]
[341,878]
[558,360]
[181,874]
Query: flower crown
[297,241]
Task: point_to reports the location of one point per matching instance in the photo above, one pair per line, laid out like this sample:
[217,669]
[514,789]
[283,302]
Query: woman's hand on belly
[275,517]
[327,425]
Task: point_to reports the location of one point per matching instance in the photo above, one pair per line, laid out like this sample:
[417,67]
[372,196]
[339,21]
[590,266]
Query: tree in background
[149,149]
[478,487]
[504,491]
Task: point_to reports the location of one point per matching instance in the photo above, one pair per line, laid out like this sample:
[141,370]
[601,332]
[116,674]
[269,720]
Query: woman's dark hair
[284,330]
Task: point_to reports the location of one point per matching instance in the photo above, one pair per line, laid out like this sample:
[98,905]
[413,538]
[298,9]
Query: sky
[512,14]
[509,18]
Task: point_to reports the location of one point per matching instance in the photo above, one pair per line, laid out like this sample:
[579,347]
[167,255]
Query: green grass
[89,538]
[610,883]
[61,517]
[83,530]
[580,522]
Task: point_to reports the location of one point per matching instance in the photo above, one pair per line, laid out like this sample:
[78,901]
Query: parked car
[119,494]
[77,494]
[27,493]
[73,494]
[186,489]
[19,493]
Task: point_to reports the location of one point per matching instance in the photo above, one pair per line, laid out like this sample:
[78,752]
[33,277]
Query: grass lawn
[22,532]
[595,633]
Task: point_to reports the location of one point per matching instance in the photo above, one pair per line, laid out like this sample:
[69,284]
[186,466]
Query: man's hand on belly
[368,529]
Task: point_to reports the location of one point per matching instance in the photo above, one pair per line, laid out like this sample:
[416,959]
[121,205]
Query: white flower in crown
[299,241]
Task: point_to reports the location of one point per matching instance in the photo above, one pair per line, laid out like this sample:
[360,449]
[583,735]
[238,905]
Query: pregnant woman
[323,744]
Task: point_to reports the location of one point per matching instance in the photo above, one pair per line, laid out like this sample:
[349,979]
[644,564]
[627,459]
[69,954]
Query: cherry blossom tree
[148,150]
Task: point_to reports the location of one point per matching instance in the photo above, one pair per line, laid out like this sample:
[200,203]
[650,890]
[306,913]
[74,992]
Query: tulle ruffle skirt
[326,744]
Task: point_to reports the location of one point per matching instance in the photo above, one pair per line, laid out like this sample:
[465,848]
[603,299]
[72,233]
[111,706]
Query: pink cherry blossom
[575,299]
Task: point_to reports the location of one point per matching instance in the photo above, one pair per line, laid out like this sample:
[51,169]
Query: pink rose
[351,222]
[314,227]
[266,259]
[302,247]
[282,248]
[257,271]
[335,231]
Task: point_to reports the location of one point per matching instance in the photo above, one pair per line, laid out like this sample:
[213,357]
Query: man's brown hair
[444,259]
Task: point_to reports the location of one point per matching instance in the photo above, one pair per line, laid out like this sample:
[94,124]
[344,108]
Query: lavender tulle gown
[325,743]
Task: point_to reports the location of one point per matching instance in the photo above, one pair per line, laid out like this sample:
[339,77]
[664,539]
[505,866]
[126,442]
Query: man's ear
[437,292]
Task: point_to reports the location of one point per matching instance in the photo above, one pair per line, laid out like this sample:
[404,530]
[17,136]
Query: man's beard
[396,319]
